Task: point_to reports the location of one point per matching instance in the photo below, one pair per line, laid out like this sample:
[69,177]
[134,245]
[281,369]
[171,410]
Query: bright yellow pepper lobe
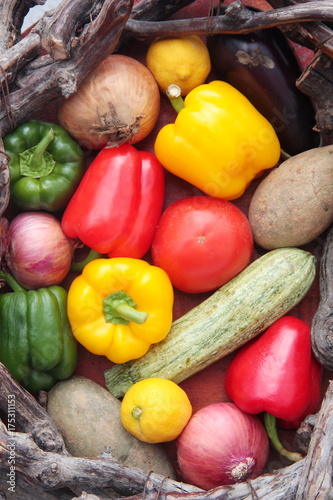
[151,291]
[219,142]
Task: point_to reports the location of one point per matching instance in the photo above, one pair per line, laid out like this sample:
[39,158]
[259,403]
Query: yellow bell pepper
[219,142]
[118,307]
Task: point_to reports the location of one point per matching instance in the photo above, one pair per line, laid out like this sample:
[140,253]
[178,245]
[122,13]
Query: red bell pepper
[273,373]
[315,396]
[118,203]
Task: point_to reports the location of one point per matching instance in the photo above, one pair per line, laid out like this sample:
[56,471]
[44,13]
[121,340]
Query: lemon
[155,410]
[180,60]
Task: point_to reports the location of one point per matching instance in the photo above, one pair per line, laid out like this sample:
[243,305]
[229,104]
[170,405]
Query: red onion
[222,445]
[38,253]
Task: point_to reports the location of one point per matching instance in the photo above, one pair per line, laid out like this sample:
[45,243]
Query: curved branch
[237,19]
[28,414]
[51,470]
[12,16]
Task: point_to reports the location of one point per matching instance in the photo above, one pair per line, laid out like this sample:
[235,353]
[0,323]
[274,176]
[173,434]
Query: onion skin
[38,253]
[222,445]
[118,102]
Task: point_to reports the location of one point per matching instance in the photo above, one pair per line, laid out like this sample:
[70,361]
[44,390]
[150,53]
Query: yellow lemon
[180,60]
[155,410]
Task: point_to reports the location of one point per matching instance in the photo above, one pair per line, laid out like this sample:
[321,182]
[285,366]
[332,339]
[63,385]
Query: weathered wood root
[322,323]
[303,434]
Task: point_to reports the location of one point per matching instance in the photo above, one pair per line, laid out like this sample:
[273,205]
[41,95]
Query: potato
[293,205]
[88,417]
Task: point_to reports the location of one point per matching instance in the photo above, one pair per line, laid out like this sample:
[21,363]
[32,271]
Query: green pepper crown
[37,161]
[119,309]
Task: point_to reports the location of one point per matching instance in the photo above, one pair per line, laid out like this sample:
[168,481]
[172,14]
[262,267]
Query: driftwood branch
[28,415]
[155,10]
[51,470]
[316,478]
[310,35]
[317,82]
[13,13]
[236,19]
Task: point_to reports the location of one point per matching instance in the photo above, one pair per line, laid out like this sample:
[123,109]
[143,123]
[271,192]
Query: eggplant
[264,68]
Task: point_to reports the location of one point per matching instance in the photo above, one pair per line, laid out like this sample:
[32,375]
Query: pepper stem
[36,161]
[270,425]
[119,308]
[12,282]
[92,255]
[173,93]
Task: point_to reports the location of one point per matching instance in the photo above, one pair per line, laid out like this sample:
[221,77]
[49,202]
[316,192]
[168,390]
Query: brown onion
[222,445]
[118,102]
[38,253]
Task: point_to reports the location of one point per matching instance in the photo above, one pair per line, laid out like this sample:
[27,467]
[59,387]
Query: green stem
[120,308]
[129,313]
[11,281]
[174,95]
[92,255]
[36,161]
[270,425]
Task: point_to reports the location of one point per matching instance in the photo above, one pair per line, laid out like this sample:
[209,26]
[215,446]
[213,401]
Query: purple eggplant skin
[264,68]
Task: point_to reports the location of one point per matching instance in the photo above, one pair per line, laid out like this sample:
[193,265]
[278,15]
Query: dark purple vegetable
[263,66]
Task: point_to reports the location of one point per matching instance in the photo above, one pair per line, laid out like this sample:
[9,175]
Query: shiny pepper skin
[219,142]
[36,342]
[118,203]
[118,307]
[274,372]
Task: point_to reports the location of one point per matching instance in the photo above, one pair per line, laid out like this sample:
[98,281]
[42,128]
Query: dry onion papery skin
[118,102]
[38,253]
[222,445]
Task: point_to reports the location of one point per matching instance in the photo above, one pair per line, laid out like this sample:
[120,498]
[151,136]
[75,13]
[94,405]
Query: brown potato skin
[293,204]
[88,417]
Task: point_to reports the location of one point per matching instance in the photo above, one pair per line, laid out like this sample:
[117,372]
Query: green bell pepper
[46,166]
[36,341]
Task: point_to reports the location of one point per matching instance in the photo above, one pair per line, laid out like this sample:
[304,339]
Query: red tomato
[202,242]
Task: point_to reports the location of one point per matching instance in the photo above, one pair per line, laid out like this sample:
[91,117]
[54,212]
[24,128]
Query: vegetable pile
[158,233]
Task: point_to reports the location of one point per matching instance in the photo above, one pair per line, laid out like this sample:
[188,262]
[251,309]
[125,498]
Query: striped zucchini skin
[241,309]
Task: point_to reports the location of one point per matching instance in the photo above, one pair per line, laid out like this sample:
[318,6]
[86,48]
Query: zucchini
[241,309]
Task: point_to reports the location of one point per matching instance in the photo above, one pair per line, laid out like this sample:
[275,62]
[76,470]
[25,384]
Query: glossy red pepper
[117,205]
[315,396]
[273,372]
